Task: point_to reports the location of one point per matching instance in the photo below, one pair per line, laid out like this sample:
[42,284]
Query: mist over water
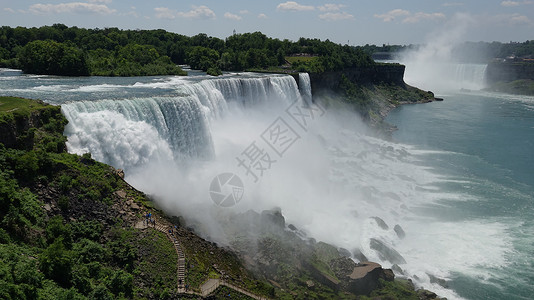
[436,66]
[480,144]
[330,183]
[174,135]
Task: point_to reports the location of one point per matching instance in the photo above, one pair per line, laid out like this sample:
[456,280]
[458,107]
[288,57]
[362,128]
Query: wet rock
[381,223]
[397,269]
[399,231]
[426,295]
[273,217]
[365,278]
[440,281]
[386,253]
[388,275]
[344,252]
[359,255]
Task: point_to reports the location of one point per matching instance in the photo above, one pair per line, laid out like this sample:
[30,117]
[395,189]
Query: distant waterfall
[445,76]
[130,132]
[471,76]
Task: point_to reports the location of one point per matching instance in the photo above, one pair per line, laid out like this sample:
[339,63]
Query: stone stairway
[210,285]
[181,256]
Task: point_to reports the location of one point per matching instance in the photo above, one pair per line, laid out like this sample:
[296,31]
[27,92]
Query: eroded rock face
[387,253]
[381,223]
[399,231]
[273,217]
[359,255]
[365,278]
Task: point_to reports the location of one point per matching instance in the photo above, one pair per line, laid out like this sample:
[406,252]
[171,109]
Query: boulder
[426,295]
[440,281]
[121,194]
[399,231]
[273,217]
[381,223]
[344,252]
[386,253]
[365,278]
[397,269]
[359,255]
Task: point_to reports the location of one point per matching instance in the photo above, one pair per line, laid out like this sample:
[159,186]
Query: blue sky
[357,22]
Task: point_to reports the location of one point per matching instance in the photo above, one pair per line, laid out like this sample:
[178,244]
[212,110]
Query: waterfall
[470,76]
[445,76]
[129,133]
[305,87]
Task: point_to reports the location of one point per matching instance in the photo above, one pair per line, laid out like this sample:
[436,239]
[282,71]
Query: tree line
[63,50]
[468,52]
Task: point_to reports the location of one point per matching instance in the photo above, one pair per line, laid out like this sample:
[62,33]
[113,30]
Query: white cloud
[101,1]
[244,12]
[520,19]
[10,10]
[420,16]
[294,6]
[408,17]
[515,3]
[165,13]
[198,12]
[393,14]
[331,7]
[72,7]
[262,16]
[232,16]
[449,4]
[336,16]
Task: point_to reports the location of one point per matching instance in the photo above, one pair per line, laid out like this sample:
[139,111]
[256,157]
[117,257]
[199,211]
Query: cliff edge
[371,91]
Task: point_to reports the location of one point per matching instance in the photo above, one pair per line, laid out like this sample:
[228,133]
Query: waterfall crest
[172,127]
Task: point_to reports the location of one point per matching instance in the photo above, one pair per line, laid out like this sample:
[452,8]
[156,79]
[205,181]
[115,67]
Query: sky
[356,22]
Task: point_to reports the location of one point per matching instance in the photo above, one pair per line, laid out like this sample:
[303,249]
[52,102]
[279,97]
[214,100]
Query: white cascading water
[305,87]
[444,76]
[330,183]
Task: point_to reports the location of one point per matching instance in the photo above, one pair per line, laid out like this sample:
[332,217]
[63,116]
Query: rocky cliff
[371,91]
[378,74]
[509,71]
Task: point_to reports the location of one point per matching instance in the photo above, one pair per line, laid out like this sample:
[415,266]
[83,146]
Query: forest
[468,52]
[73,51]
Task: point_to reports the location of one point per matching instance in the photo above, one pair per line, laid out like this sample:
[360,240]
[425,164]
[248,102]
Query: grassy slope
[60,233]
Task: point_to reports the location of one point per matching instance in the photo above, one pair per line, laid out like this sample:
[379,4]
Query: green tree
[49,57]
[202,58]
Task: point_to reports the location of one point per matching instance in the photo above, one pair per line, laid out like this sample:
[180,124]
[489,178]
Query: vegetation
[50,57]
[57,240]
[519,87]
[115,52]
